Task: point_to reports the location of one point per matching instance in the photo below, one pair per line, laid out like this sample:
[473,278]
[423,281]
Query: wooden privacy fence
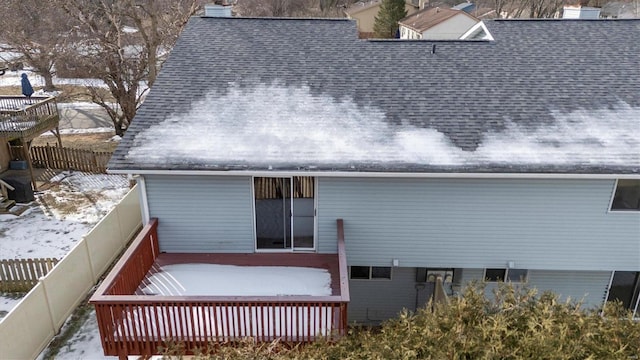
[54,157]
[20,275]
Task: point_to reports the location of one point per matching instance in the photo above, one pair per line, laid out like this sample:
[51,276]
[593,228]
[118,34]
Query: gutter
[347,174]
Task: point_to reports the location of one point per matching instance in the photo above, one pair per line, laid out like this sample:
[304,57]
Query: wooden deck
[25,118]
[21,120]
[133,324]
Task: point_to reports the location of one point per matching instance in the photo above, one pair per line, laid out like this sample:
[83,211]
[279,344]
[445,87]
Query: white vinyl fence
[31,324]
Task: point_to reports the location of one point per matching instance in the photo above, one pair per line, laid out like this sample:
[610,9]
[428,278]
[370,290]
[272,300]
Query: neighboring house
[580,12]
[290,141]
[436,24]
[365,12]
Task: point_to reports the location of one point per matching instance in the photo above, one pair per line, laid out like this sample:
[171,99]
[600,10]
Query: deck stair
[5,203]
[16,210]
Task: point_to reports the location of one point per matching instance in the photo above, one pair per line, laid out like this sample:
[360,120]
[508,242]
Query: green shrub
[518,323]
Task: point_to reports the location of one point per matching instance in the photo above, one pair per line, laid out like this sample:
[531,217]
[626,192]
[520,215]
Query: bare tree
[277,8]
[123,43]
[159,23]
[526,8]
[33,30]
[537,9]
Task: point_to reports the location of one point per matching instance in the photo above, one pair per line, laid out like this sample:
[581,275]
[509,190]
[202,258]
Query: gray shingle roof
[539,78]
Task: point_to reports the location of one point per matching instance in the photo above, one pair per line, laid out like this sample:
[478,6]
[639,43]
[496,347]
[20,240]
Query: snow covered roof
[552,96]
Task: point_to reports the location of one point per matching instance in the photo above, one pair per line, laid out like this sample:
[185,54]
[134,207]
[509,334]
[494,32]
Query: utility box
[18,165]
[23,192]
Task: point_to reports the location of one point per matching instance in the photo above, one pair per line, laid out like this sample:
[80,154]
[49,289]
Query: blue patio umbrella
[27,89]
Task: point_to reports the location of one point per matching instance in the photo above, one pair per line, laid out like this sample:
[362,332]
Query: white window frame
[636,309]
[524,280]
[315,217]
[613,195]
[505,276]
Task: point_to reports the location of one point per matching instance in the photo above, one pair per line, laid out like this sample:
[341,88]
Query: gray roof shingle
[535,73]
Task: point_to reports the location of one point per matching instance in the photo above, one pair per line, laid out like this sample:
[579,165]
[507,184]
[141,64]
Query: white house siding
[373,301]
[590,287]
[552,224]
[450,29]
[202,213]
[408,34]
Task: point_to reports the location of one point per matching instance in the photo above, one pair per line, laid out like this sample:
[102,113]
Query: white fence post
[86,250]
[49,311]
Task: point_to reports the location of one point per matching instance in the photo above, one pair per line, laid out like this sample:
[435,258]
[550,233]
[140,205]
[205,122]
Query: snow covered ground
[60,216]
[57,220]
[12,78]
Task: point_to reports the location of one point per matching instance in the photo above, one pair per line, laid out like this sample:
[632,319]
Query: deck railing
[135,263]
[22,117]
[142,324]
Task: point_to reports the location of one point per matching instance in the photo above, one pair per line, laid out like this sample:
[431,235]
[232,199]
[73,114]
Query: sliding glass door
[284,212]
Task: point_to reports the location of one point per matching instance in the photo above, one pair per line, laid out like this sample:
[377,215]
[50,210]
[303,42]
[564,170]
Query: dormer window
[626,196]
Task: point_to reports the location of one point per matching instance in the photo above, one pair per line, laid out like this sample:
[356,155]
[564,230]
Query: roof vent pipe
[433,48]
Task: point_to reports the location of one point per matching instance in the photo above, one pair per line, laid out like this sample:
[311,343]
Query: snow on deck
[263,125]
[231,280]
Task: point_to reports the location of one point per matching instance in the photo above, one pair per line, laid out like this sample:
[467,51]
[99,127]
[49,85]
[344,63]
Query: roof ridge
[270,18]
[428,41]
[561,20]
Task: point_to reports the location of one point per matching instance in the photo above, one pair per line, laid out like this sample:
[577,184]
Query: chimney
[221,8]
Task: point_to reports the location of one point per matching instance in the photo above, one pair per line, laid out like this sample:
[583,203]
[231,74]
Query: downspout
[144,204]
[419,287]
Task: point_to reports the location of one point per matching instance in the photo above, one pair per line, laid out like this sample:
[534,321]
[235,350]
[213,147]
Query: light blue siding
[550,224]
[202,213]
[373,301]
[589,287]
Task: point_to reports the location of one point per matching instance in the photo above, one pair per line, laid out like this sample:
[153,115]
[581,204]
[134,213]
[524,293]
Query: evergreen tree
[386,23]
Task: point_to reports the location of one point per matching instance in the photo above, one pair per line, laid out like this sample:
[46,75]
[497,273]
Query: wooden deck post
[27,153]
[57,135]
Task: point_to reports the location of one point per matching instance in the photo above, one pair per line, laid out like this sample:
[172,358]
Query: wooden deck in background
[311,260]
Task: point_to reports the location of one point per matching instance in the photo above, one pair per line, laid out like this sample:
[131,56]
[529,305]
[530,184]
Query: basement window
[370,272]
[508,275]
[626,196]
[517,275]
[494,275]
